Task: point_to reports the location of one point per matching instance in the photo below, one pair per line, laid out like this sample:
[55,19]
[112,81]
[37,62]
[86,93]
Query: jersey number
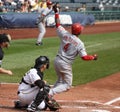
[66,47]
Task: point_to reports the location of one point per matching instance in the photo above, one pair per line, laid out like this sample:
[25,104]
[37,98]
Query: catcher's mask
[76,29]
[41,61]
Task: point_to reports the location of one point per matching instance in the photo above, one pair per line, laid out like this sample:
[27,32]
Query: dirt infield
[33,32]
[102,95]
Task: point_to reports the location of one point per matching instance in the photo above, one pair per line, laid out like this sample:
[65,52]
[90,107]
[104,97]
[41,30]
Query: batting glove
[95,57]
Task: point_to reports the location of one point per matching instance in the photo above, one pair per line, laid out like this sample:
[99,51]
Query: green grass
[22,53]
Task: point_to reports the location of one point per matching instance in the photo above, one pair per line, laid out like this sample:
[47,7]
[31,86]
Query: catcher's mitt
[53,105]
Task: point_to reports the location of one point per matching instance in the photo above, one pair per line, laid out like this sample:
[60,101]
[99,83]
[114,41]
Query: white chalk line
[94,45]
[76,107]
[82,101]
[86,107]
[3,83]
[112,101]
[79,101]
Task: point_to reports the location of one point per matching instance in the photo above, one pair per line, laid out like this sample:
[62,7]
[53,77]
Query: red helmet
[49,3]
[76,28]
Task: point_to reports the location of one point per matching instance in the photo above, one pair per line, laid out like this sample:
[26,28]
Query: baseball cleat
[39,44]
[18,105]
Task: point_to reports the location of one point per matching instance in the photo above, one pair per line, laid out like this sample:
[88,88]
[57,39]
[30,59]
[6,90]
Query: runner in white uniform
[70,47]
[31,89]
[41,25]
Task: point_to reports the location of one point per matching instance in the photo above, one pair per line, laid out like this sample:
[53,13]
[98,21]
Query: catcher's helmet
[76,28]
[49,3]
[41,61]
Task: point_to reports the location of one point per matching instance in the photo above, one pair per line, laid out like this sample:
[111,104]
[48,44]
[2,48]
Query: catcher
[33,90]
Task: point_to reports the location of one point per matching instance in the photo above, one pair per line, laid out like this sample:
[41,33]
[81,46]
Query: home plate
[100,111]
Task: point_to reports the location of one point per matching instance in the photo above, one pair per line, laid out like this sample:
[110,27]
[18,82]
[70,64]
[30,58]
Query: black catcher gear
[41,61]
[52,104]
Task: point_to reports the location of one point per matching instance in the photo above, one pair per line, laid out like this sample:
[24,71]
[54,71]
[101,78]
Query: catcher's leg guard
[32,107]
[39,98]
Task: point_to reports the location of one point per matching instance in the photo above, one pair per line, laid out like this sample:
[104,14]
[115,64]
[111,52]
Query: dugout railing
[105,15]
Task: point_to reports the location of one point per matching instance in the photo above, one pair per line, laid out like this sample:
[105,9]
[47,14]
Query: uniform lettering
[70,40]
[66,47]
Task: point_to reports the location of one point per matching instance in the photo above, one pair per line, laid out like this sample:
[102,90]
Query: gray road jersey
[70,45]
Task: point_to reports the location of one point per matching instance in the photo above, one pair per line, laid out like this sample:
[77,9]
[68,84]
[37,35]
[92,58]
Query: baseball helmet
[76,28]
[49,3]
[41,60]
[5,38]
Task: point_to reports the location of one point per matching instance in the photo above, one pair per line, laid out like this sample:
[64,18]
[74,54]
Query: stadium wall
[28,20]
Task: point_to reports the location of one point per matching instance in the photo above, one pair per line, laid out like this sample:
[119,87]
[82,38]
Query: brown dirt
[102,95]
[33,32]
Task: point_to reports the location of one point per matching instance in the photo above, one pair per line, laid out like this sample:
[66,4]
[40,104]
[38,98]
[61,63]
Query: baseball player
[44,12]
[4,43]
[70,47]
[32,90]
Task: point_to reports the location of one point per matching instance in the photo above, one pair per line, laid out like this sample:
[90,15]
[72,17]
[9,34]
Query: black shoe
[18,105]
[31,108]
[39,44]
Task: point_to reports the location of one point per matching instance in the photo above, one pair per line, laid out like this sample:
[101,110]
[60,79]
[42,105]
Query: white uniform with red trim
[41,25]
[70,47]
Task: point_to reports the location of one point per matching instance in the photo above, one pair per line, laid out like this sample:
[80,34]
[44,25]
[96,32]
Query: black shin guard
[39,98]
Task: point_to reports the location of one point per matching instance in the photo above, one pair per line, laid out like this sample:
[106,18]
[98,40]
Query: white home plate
[100,111]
